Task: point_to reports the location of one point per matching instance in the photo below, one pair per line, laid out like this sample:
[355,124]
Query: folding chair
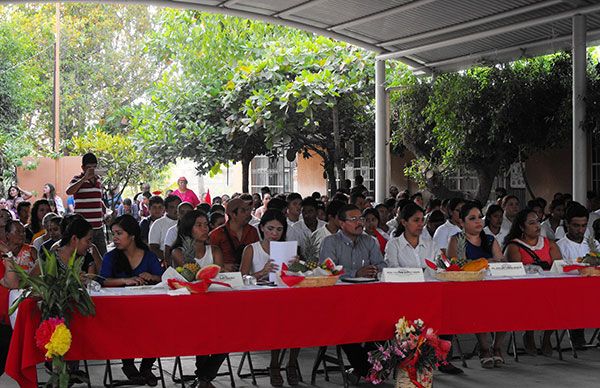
[182,379]
[110,382]
[337,361]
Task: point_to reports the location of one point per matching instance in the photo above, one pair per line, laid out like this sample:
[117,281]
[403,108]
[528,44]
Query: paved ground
[530,371]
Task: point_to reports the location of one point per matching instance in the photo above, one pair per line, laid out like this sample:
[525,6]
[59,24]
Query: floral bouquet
[60,292]
[415,350]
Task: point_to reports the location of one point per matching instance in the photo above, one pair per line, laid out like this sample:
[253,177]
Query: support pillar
[381,146]
[580,165]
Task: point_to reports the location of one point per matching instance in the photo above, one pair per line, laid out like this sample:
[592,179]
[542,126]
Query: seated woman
[372,221]
[409,249]
[15,247]
[192,243]
[493,223]
[35,229]
[257,262]
[131,263]
[525,243]
[479,245]
[38,242]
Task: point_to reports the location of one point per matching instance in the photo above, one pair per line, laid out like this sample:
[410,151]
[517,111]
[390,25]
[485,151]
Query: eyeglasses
[355,219]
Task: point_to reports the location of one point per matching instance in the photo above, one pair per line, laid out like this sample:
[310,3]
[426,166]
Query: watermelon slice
[208,272]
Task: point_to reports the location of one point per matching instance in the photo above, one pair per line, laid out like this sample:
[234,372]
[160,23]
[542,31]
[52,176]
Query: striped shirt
[88,201]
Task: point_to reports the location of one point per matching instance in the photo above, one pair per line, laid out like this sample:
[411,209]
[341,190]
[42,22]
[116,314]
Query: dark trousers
[5,335]
[358,356]
[207,367]
[99,240]
[448,337]
[146,363]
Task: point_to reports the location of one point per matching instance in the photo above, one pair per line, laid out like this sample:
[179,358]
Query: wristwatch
[9,255]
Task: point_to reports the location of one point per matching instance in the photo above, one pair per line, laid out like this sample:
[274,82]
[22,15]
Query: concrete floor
[530,371]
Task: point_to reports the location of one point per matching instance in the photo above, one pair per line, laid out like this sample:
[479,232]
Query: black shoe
[351,376]
[201,383]
[133,375]
[450,369]
[149,377]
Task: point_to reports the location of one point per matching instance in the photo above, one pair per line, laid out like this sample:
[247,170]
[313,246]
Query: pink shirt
[188,196]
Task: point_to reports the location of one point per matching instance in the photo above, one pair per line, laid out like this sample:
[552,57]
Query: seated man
[309,223]
[360,255]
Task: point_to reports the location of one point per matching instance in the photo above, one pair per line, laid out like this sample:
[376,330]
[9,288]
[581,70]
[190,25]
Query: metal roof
[428,35]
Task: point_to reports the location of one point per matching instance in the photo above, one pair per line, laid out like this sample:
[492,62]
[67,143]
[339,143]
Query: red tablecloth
[236,321]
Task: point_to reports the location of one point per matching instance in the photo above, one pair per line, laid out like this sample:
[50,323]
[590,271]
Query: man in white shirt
[171,235]
[313,244]
[451,227]
[433,221]
[159,228]
[294,208]
[575,245]
[309,223]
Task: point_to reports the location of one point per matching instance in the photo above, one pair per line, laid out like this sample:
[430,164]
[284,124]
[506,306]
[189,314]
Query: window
[276,173]
[464,181]
[359,165]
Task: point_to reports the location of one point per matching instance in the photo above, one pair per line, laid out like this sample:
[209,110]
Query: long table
[237,321]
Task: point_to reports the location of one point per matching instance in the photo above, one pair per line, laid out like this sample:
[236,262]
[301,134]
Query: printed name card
[234,279]
[557,266]
[507,269]
[402,275]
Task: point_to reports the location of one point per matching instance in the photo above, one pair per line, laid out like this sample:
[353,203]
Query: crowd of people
[152,232]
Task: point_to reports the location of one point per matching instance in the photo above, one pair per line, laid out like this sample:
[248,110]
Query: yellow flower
[60,342]
[403,328]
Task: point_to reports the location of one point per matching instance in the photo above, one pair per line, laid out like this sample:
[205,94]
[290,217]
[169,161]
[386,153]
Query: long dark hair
[518,226]
[132,228]
[409,210]
[273,215]
[185,225]
[73,225]
[486,246]
[52,192]
[18,192]
[491,210]
[36,224]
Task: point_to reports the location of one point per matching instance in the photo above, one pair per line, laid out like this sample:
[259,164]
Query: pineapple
[312,264]
[189,250]
[461,249]
[593,257]
[298,266]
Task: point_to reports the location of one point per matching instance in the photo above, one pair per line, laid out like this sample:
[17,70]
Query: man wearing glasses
[360,255]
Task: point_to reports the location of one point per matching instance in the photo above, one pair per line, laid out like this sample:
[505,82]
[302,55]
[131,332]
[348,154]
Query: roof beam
[492,32]
[227,3]
[472,23]
[379,15]
[299,7]
[562,41]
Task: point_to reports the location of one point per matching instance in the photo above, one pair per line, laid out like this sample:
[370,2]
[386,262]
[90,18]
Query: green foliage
[61,291]
[484,119]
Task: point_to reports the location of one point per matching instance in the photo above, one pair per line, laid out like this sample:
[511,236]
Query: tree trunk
[438,188]
[337,143]
[486,180]
[331,183]
[246,174]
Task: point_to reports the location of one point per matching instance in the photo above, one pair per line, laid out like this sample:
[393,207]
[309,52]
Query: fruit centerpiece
[459,269]
[310,274]
[199,279]
[589,265]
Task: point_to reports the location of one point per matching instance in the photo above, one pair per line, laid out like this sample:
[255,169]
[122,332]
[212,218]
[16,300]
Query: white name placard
[557,266]
[507,269]
[402,275]
[234,279]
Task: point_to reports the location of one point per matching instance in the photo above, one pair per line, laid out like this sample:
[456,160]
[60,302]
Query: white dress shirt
[499,237]
[300,232]
[443,233]
[551,234]
[399,253]
[506,225]
[571,250]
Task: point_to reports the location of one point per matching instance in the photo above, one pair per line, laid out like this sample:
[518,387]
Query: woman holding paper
[257,262]
[192,243]
[524,243]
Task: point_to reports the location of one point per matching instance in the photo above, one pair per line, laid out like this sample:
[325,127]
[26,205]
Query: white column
[380,133]
[580,168]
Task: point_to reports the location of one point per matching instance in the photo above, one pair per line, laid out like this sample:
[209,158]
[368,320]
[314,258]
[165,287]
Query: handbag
[536,260]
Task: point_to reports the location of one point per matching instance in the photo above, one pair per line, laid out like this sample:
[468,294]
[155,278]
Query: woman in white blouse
[409,249]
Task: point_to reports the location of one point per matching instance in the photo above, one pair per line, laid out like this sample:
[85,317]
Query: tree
[485,119]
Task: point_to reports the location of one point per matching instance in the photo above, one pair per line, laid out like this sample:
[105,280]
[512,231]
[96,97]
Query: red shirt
[189,196]
[88,201]
[4,320]
[219,238]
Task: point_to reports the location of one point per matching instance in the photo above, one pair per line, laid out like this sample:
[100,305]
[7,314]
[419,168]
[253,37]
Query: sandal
[275,376]
[487,362]
[498,359]
[292,375]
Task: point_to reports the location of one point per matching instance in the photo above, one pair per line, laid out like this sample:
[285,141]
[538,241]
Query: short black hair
[356,195]
[340,197]
[23,204]
[127,201]
[203,207]
[277,203]
[345,209]
[574,210]
[214,216]
[89,158]
[436,216]
[333,208]
[217,209]
[156,200]
[292,197]
[316,195]
[171,198]
[309,201]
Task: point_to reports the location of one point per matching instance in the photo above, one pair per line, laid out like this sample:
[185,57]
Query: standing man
[157,210]
[185,194]
[86,189]
[235,234]
[159,228]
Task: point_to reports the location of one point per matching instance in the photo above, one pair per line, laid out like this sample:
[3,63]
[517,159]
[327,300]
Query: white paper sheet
[282,252]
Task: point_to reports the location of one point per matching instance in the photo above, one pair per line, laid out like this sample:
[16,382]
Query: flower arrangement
[415,348]
[60,292]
